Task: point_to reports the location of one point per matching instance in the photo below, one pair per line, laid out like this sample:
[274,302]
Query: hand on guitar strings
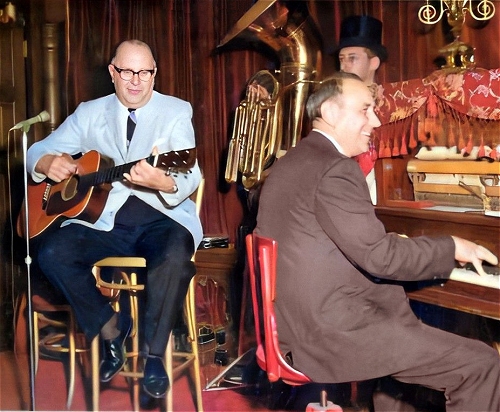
[143,174]
[57,167]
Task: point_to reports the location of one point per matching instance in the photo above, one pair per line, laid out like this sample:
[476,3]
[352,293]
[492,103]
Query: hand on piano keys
[468,274]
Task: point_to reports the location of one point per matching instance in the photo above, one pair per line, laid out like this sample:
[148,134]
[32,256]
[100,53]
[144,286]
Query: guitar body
[50,202]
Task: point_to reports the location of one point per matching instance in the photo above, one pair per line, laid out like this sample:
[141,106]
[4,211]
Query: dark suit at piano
[340,310]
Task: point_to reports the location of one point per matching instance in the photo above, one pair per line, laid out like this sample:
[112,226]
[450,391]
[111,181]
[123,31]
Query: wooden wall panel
[12,110]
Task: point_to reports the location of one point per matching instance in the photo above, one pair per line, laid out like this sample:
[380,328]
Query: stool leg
[94,357]
[134,311]
[36,338]
[72,358]
[191,320]
[190,315]
[169,358]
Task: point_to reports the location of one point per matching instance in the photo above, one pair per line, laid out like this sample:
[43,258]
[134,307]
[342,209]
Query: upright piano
[466,303]
[455,113]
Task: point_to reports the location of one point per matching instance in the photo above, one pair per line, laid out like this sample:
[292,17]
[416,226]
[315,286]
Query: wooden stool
[128,272]
[127,268]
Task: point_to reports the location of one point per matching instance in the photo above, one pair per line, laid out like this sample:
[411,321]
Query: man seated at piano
[342,312]
[148,212]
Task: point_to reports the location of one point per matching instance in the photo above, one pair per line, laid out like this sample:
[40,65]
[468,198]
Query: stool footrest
[131,374]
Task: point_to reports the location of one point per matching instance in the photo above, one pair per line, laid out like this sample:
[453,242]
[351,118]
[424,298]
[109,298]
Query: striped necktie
[131,122]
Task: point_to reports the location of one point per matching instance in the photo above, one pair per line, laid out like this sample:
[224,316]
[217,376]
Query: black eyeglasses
[127,74]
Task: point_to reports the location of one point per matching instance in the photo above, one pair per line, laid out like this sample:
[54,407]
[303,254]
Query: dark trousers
[467,370]
[66,257]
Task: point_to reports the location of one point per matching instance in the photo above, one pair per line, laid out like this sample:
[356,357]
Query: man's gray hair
[328,88]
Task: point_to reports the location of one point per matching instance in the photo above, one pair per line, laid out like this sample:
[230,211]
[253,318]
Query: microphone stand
[25,126]
[27,260]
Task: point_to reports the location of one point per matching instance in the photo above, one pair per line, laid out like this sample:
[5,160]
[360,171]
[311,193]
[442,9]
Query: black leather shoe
[155,382]
[113,354]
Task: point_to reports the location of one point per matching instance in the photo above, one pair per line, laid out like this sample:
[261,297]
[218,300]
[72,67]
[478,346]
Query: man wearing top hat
[360,51]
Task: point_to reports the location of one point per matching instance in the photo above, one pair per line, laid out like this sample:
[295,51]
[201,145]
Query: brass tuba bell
[268,121]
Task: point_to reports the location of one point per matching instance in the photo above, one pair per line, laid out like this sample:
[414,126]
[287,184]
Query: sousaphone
[268,121]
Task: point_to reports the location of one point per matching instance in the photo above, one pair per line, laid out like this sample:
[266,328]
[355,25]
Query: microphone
[40,118]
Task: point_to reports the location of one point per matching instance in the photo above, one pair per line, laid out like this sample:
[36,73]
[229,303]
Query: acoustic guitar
[84,195]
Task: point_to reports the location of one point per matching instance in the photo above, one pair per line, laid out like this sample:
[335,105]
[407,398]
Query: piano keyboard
[469,276]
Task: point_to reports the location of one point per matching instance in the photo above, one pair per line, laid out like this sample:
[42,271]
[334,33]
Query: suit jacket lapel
[112,114]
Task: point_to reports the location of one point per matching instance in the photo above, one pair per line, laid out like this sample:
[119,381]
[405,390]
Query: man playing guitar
[147,212]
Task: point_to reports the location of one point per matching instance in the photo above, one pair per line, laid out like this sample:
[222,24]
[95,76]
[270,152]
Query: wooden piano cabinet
[485,230]
[464,297]
[393,182]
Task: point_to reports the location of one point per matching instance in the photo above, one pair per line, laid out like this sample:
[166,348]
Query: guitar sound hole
[70,188]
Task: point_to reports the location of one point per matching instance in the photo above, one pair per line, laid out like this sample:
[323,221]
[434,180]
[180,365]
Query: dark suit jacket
[341,310]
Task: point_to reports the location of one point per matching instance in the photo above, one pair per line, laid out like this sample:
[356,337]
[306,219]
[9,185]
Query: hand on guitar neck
[146,175]
[79,188]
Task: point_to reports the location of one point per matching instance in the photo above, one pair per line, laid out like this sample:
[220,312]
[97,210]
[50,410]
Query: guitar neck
[177,160]
[114,174]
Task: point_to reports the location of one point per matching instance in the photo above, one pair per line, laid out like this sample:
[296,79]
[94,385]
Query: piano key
[469,276]
[490,269]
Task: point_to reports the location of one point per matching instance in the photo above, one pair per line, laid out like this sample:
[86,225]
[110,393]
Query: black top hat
[362,31]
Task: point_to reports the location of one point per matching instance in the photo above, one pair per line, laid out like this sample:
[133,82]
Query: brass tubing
[233,155]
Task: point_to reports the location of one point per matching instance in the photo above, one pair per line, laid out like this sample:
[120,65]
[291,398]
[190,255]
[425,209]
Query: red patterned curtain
[445,109]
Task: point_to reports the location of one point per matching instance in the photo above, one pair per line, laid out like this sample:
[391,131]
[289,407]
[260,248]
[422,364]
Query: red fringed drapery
[459,110]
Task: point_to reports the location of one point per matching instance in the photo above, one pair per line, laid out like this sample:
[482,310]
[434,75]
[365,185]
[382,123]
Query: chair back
[262,254]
